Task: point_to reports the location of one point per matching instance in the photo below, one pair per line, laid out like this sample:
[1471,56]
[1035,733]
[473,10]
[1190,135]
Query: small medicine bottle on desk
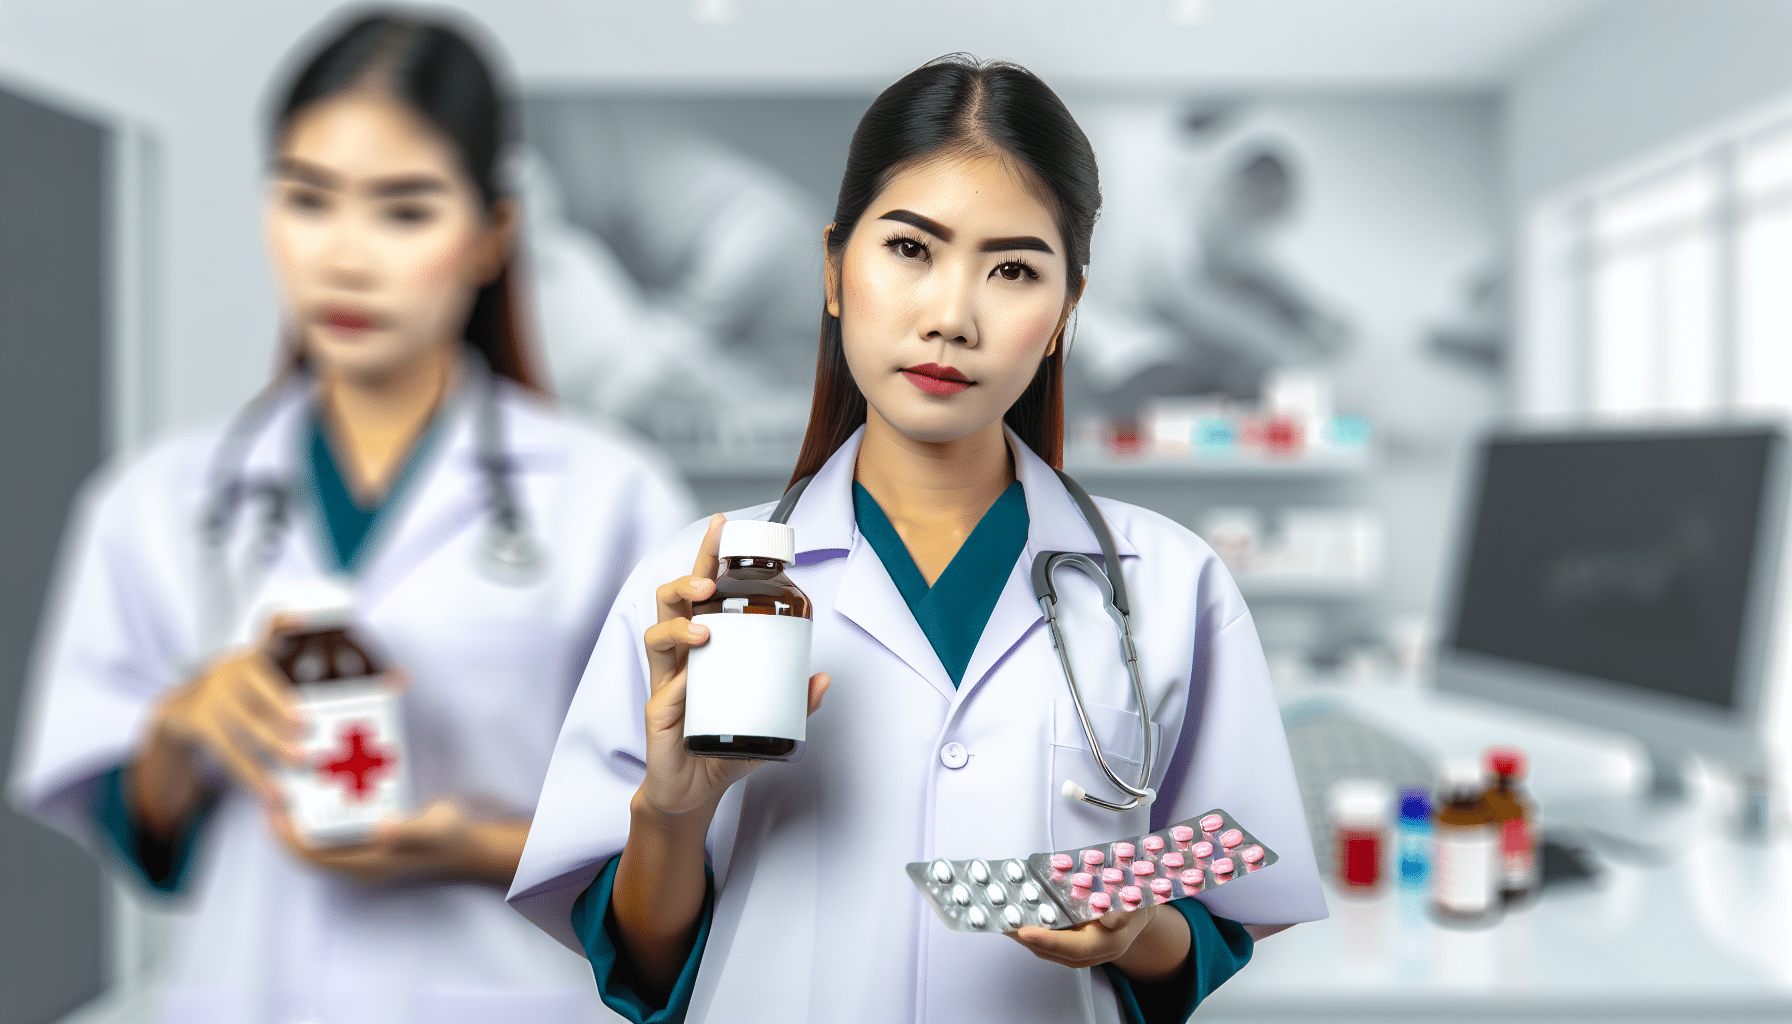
[1465,852]
[1516,817]
[353,772]
[1414,842]
[747,688]
[1359,819]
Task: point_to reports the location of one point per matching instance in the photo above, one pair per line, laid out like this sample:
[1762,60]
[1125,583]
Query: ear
[495,247]
[1064,318]
[830,272]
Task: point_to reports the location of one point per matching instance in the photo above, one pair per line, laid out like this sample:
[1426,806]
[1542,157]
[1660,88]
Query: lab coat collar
[827,527]
[1056,523]
[447,495]
[824,521]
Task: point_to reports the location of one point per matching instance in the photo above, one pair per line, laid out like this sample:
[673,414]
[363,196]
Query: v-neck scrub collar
[952,612]
[347,526]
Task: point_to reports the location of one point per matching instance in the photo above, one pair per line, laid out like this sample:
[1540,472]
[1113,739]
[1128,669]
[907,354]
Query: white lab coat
[815,918]
[492,667]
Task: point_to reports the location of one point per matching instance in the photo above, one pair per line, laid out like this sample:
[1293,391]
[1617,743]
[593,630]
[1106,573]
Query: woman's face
[379,240]
[949,293]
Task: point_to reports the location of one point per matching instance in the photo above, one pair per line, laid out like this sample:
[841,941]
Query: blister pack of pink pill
[1066,888]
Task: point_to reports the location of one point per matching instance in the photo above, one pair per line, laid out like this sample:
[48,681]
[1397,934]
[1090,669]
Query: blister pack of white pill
[1067,887]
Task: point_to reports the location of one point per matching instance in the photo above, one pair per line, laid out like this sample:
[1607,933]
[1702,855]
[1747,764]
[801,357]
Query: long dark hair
[957,103]
[432,66]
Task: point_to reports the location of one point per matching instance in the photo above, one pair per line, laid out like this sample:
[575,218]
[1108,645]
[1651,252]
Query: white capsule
[977,917]
[1012,916]
[1014,871]
[1029,892]
[996,893]
[942,872]
[1048,916]
[979,872]
[961,895]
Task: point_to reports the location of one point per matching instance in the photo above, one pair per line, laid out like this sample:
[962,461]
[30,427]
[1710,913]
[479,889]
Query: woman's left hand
[1146,944]
[442,841]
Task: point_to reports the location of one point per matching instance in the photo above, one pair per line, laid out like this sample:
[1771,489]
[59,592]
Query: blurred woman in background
[408,450]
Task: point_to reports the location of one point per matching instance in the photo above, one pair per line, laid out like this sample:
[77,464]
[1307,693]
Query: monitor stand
[1649,824]
[1643,825]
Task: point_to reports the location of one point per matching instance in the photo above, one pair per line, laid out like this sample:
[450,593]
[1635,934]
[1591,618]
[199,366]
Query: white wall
[201,66]
[1640,75]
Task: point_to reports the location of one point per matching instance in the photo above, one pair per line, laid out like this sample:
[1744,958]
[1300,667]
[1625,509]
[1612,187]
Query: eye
[907,248]
[1015,270]
[410,214]
[306,200]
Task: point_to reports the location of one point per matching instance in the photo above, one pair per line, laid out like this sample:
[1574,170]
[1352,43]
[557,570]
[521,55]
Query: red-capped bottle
[1516,817]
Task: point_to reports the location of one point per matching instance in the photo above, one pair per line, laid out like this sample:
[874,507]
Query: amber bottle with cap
[1465,844]
[747,687]
[1516,817]
[352,774]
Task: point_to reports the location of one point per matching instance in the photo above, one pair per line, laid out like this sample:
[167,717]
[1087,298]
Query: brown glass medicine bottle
[1465,845]
[747,688]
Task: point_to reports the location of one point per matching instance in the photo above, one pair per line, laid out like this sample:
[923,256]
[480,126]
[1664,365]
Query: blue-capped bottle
[1415,837]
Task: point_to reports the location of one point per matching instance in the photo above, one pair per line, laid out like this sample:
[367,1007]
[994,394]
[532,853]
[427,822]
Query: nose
[346,259]
[949,311]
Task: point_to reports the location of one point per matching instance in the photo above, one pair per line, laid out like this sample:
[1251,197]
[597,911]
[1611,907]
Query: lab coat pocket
[1122,738]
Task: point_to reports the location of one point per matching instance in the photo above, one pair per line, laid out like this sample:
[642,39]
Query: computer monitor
[1625,579]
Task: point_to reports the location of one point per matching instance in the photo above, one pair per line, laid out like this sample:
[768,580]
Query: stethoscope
[510,552]
[1113,592]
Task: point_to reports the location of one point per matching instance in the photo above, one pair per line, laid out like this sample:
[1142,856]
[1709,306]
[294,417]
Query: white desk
[1704,937]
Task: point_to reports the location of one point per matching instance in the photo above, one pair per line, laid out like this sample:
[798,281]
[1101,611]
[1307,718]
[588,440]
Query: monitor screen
[1627,559]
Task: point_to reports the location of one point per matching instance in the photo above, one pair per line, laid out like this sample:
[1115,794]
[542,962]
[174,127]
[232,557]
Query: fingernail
[699,631]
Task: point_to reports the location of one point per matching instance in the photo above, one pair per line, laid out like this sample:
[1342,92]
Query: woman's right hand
[241,711]
[677,783]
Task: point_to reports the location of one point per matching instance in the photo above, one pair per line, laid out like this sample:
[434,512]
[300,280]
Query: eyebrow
[389,188]
[1027,242]
[396,188]
[309,174]
[927,224]
[944,233]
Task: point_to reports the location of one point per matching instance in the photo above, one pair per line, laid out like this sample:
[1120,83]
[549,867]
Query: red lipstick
[348,320]
[936,379]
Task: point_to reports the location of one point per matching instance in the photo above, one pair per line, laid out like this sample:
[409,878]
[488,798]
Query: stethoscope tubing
[510,550]
[1114,597]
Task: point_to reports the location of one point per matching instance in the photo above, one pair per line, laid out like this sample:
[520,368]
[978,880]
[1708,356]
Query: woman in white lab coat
[730,890]
[406,448]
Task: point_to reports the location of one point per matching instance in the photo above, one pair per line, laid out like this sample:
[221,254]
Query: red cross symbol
[362,763]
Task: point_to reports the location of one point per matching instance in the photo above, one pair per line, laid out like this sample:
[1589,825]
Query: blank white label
[1467,859]
[751,678]
[354,773]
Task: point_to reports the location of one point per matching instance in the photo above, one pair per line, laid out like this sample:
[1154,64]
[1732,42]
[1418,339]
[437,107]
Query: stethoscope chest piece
[512,557]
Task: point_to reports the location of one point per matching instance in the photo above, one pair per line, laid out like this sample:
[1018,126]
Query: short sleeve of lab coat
[600,758]
[1232,753]
[116,632]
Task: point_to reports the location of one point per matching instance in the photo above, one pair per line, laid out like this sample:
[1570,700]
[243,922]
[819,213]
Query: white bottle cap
[319,601]
[1363,803]
[755,538]
[1463,775]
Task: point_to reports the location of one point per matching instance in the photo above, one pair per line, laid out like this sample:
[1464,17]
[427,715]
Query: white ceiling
[1370,44]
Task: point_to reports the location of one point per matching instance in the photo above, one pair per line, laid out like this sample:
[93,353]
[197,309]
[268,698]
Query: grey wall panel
[52,322]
